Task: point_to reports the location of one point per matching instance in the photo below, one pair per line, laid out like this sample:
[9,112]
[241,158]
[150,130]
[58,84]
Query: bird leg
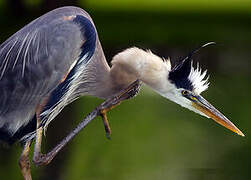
[127,93]
[106,124]
[38,157]
[24,162]
[44,159]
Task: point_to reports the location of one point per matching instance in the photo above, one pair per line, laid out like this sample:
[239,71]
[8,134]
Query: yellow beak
[205,107]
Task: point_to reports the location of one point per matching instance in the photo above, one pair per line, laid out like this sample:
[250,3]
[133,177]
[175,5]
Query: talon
[106,123]
[107,135]
[127,93]
[130,91]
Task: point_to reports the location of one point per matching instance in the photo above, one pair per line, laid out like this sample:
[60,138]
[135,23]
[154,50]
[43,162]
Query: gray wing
[35,60]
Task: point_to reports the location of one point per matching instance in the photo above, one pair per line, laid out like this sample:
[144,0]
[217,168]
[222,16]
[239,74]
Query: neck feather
[135,63]
[102,81]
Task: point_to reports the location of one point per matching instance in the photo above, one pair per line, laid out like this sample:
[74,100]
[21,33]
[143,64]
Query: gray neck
[97,78]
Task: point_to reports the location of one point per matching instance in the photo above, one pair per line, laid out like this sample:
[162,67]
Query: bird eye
[184,92]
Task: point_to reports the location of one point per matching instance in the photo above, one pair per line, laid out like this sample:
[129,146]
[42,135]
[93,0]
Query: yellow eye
[184,92]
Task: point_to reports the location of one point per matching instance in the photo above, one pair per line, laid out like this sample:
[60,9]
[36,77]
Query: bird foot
[42,159]
[131,91]
[106,123]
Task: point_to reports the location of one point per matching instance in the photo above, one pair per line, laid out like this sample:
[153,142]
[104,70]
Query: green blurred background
[153,138]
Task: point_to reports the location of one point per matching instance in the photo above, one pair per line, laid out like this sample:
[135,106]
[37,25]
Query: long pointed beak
[205,107]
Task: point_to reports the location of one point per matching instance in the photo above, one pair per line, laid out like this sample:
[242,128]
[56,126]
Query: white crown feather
[198,80]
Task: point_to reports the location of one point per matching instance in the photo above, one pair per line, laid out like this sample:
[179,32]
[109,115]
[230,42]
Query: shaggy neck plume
[135,63]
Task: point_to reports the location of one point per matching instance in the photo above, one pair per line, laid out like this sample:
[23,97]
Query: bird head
[182,84]
[188,82]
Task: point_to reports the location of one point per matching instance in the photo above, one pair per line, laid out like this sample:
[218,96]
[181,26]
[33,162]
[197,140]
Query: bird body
[39,64]
[58,57]
[50,63]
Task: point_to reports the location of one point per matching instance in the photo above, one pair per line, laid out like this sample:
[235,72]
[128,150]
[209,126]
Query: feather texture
[34,62]
[185,76]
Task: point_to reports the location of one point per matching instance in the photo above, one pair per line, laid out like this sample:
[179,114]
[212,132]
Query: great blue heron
[58,57]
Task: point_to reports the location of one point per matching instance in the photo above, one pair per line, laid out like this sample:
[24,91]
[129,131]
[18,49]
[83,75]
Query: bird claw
[108,136]
[106,123]
[131,91]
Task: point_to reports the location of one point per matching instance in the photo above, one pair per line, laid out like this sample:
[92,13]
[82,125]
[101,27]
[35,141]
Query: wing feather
[34,61]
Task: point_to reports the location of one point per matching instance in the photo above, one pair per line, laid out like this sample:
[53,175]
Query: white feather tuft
[198,80]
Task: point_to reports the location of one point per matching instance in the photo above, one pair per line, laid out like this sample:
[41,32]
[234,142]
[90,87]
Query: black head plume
[179,73]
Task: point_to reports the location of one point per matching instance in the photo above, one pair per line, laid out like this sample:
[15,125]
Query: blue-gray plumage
[58,57]
[36,62]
